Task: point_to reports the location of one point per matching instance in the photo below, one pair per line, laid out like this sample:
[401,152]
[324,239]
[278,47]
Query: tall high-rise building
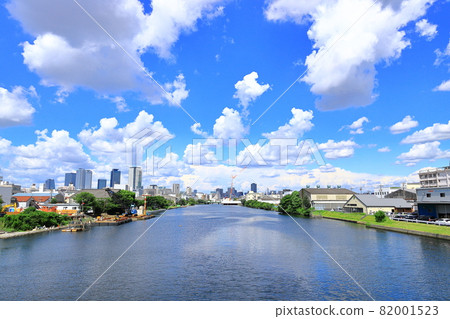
[70,178]
[135,178]
[101,183]
[50,184]
[115,177]
[188,191]
[254,187]
[83,179]
[219,191]
[176,189]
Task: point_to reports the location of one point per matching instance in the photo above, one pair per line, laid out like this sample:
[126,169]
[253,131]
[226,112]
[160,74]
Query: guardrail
[418,221]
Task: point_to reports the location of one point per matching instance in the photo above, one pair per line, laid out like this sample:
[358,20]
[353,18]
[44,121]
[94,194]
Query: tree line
[292,204]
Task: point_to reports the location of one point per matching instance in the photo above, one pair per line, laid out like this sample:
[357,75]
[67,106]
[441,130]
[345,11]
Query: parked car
[424,217]
[411,216]
[400,216]
[443,221]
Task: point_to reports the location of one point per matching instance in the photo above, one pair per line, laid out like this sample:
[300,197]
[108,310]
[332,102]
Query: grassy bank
[370,220]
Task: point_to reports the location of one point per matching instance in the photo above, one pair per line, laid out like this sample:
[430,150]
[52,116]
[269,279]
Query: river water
[215,252]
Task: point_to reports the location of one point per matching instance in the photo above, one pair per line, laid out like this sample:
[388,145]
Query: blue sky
[71,98]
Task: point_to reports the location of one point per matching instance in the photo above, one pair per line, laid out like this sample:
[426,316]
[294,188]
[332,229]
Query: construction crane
[232,181]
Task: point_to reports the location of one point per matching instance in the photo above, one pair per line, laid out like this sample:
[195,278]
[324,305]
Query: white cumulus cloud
[424,151]
[300,123]
[342,65]
[404,125]
[426,29]
[444,86]
[69,50]
[229,125]
[342,149]
[15,109]
[248,89]
[385,149]
[436,132]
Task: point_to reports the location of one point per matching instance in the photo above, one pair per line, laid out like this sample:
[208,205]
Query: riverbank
[442,232]
[7,235]
[29,232]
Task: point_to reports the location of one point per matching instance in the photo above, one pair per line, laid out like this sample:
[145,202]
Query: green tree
[1,202]
[53,201]
[380,216]
[87,201]
[191,201]
[182,202]
[157,202]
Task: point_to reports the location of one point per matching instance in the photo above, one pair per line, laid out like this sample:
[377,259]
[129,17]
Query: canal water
[215,252]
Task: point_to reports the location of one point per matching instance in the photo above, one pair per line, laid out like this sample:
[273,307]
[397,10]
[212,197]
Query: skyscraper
[115,177]
[176,189]
[83,179]
[50,184]
[254,187]
[101,183]
[219,191]
[135,178]
[70,178]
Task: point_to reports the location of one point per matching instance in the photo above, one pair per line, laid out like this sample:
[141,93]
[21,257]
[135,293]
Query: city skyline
[373,108]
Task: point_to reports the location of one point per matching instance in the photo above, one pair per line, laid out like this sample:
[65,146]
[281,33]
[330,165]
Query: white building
[381,191]
[176,189]
[435,177]
[135,178]
[83,179]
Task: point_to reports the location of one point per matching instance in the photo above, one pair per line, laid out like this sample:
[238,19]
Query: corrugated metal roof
[373,201]
[34,194]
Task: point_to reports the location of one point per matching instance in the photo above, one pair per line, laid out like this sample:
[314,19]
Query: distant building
[101,183]
[370,204]
[327,198]
[406,194]
[188,191]
[115,177]
[254,187]
[176,189]
[135,178]
[83,179]
[49,184]
[70,178]
[435,177]
[25,200]
[219,193]
[7,191]
[381,191]
[434,201]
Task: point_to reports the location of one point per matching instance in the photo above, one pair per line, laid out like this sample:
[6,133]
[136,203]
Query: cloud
[441,56]
[229,125]
[444,86]
[426,29]
[404,126]
[342,149]
[300,123]
[384,149]
[197,130]
[69,50]
[436,132]
[357,126]
[424,151]
[342,65]
[120,103]
[376,128]
[248,89]
[15,109]
[177,90]
[50,156]
[111,144]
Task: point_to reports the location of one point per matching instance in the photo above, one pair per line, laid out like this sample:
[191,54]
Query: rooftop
[373,201]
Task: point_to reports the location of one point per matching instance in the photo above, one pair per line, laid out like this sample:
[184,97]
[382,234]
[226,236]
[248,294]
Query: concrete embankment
[410,232]
[30,232]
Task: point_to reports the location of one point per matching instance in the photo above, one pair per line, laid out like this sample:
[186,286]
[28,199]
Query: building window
[442,194]
[428,195]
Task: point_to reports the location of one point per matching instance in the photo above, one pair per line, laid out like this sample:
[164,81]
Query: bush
[380,216]
[30,219]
